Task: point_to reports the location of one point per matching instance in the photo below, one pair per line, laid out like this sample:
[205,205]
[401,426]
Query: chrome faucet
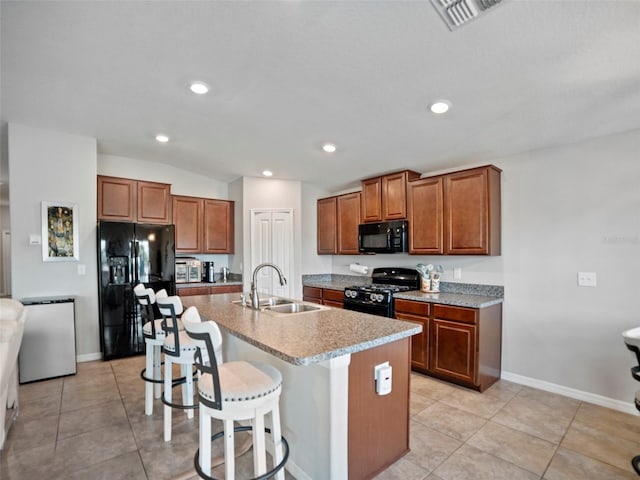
[255,300]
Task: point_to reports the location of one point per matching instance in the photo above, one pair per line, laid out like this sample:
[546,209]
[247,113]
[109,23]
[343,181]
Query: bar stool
[632,340]
[234,391]
[154,338]
[178,348]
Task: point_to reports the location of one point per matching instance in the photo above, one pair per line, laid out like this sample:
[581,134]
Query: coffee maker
[208,272]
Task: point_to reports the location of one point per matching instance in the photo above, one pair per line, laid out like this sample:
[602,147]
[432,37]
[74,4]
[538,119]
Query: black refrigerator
[128,254]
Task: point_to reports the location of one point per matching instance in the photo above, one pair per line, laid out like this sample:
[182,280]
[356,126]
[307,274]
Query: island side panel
[378,424]
[304,409]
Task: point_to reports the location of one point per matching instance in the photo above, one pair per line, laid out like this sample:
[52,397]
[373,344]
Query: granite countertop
[303,338]
[455,294]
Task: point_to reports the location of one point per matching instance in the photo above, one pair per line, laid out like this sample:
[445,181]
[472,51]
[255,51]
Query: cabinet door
[333,298]
[425,216]
[348,220]
[327,226]
[116,199]
[472,212]
[187,217]
[312,294]
[453,350]
[417,312]
[372,200]
[226,289]
[154,205]
[218,226]
[190,291]
[394,196]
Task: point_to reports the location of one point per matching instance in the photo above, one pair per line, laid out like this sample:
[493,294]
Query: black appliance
[128,254]
[383,237]
[208,272]
[377,298]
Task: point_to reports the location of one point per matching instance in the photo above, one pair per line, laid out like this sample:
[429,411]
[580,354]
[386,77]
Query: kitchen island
[336,424]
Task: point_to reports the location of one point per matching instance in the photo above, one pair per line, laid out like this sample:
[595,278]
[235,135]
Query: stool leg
[167,398]
[229,452]
[276,435]
[148,386]
[157,369]
[205,442]
[259,454]
[187,388]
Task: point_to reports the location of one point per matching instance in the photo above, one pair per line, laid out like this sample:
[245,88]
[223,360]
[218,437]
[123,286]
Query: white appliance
[49,342]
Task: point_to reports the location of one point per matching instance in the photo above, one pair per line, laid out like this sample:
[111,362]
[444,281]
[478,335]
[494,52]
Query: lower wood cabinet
[323,296]
[208,290]
[459,344]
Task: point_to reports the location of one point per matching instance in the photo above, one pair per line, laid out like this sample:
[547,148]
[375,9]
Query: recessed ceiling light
[199,87]
[329,147]
[267,173]
[440,106]
[162,138]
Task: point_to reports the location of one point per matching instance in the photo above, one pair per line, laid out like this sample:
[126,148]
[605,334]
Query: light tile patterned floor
[92,426]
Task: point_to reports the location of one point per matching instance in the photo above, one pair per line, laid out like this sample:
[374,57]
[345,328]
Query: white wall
[4,226]
[564,210]
[52,166]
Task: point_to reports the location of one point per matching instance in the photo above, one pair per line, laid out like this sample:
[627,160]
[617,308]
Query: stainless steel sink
[266,302]
[293,308]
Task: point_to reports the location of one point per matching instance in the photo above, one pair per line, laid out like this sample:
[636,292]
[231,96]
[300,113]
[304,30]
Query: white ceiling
[288,76]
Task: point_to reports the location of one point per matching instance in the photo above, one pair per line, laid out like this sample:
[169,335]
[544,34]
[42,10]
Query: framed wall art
[60,232]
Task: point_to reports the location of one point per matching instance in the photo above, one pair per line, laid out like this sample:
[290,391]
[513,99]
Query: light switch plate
[587,279]
[35,239]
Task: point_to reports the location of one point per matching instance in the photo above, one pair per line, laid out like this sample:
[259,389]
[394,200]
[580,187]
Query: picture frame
[60,232]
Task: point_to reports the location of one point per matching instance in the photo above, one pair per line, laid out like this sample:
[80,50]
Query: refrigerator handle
[134,254]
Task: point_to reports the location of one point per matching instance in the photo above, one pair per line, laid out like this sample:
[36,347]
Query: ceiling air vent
[456,13]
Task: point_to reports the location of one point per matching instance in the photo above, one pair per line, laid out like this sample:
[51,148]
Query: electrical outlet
[457,273]
[586,279]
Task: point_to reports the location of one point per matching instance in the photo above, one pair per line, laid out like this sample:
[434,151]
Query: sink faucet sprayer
[255,300]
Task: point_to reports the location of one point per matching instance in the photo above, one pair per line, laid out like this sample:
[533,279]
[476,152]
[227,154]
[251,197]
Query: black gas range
[377,298]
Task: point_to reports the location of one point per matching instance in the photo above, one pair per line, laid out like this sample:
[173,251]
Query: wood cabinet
[338,220]
[348,210]
[128,200]
[218,228]
[385,198]
[332,298]
[425,214]
[455,214]
[187,217]
[417,312]
[459,344]
[312,294]
[327,226]
[203,225]
[208,290]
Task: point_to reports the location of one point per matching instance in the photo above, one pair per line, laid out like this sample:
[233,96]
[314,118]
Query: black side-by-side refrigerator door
[120,334]
[155,256]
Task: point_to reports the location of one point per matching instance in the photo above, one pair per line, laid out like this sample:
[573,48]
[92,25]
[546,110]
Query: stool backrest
[207,337]
[146,298]
[170,309]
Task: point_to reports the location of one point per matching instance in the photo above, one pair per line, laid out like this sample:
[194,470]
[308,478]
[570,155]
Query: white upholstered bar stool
[235,391]
[178,348]
[154,339]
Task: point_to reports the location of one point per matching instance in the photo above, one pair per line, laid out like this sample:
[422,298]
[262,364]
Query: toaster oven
[188,270]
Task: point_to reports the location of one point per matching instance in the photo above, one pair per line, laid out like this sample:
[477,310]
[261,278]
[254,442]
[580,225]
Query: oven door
[373,308]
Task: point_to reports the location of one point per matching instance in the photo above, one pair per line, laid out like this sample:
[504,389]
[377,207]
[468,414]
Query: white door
[272,242]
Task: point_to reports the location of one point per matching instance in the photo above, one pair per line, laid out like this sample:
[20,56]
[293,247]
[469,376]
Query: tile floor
[92,426]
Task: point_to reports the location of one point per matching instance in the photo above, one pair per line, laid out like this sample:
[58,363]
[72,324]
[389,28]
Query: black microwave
[383,237]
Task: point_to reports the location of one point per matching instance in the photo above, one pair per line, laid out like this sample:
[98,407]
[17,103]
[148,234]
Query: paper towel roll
[356,267]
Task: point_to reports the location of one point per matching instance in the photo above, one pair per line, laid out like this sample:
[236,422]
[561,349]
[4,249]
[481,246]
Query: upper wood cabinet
[327,226]
[338,220]
[455,214]
[218,226]
[472,212]
[128,200]
[425,212]
[385,198]
[187,217]
[348,207]
[203,225]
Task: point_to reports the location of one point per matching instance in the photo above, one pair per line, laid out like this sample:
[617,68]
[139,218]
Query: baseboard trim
[626,407]
[89,357]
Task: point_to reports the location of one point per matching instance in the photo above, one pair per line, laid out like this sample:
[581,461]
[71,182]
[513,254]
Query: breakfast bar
[335,422]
